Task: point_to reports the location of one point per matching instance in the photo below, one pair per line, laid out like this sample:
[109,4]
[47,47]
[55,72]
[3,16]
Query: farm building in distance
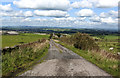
[0,32]
[41,33]
[9,32]
[12,33]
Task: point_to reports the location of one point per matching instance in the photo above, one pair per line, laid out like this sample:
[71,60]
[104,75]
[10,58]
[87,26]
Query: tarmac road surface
[63,62]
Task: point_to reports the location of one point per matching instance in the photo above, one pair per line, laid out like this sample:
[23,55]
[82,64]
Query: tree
[58,34]
[51,35]
[84,42]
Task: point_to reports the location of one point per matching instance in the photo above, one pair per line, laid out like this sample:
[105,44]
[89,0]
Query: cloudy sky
[60,13]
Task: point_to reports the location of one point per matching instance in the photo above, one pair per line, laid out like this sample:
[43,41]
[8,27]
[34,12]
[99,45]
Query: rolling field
[11,40]
[107,64]
[108,41]
[19,60]
[104,58]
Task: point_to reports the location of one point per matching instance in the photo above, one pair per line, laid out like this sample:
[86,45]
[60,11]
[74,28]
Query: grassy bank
[106,42]
[11,40]
[20,59]
[109,65]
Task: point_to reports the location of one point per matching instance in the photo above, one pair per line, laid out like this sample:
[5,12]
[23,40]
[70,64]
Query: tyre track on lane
[66,63]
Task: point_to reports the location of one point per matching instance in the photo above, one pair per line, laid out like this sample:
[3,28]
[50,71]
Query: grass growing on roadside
[21,59]
[11,40]
[109,65]
[107,41]
[58,48]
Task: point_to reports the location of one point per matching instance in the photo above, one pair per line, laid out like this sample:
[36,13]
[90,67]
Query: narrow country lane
[63,62]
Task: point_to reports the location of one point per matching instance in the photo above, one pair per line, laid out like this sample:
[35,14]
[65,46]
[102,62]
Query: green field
[107,41]
[102,57]
[11,40]
[20,60]
[109,65]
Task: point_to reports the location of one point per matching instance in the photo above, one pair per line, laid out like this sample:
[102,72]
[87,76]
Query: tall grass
[107,41]
[85,46]
[20,59]
[81,41]
[109,65]
[11,40]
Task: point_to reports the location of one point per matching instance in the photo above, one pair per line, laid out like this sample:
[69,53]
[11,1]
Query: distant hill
[67,30]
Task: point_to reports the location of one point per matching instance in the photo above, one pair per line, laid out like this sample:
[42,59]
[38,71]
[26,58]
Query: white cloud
[16,14]
[43,4]
[26,19]
[103,15]
[82,4]
[58,8]
[81,19]
[4,14]
[28,14]
[70,19]
[109,20]
[7,0]
[113,13]
[65,19]
[12,14]
[87,24]
[85,13]
[95,18]
[95,3]
[109,17]
[39,19]
[106,3]
[60,22]
[5,7]
[51,13]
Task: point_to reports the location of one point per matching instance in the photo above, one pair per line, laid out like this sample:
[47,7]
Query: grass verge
[106,42]
[11,40]
[20,60]
[108,65]
[58,48]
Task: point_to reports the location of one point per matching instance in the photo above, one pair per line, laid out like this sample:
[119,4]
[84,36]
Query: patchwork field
[108,42]
[23,58]
[17,60]
[11,40]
